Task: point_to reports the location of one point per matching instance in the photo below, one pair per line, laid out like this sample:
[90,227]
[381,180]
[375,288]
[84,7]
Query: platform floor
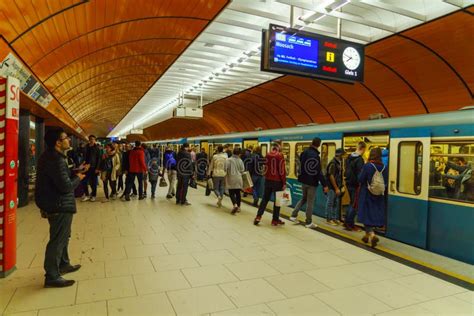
[152,257]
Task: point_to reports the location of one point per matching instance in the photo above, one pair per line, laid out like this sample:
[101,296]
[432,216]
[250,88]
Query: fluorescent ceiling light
[337,5]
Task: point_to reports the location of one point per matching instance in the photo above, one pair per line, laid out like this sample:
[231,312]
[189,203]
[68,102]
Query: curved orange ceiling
[426,69]
[86,52]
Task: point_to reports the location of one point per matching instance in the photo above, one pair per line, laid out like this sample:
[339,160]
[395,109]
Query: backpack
[337,176]
[350,173]
[170,160]
[377,184]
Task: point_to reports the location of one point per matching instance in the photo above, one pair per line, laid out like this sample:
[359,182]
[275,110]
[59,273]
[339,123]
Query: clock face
[351,58]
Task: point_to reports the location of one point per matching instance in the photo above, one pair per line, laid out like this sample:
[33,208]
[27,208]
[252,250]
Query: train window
[328,151]
[300,147]
[410,159]
[451,171]
[285,150]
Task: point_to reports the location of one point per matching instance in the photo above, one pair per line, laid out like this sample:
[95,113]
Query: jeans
[257,186]
[153,187]
[351,212]
[172,175]
[219,186]
[120,182]
[235,196]
[56,254]
[131,182]
[333,203]
[182,190]
[309,196]
[270,187]
[90,179]
[112,184]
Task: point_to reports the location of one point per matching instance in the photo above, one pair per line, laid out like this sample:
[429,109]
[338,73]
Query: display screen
[291,51]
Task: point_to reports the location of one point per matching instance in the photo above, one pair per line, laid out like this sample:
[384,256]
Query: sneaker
[152,196]
[365,239]
[105,200]
[278,222]
[127,198]
[219,202]
[234,210]
[186,203]
[294,219]
[169,196]
[114,196]
[257,220]
[333,223]
[132,195]
[86,198]
[238,210]
[311,225]
[356,229]
[92,199]
[142,197]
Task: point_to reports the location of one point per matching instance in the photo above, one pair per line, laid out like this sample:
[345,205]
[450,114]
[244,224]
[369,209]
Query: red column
[9,114]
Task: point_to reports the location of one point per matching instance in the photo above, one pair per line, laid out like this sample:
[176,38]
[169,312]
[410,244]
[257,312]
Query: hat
[340,151]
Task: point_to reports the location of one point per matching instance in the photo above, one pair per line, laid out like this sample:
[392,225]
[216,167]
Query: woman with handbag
[234,168]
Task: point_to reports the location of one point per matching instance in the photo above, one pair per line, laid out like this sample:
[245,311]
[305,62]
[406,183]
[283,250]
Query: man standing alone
[54,196]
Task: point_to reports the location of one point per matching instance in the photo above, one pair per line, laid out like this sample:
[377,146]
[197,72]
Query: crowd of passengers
[65,174]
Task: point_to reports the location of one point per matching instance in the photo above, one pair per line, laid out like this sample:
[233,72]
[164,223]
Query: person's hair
[110,145]
[92,136]
[361,145]
[185,145]
[237,151]
[144,146]
[52,136]
[316,142]
[276,144]
[138,143]
[250,147]
[220,148]
[375,155]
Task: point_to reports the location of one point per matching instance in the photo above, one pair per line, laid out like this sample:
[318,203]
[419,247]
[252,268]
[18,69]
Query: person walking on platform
[109,165]
[153,174]
[126,170]
[336,188]
[137,169]
[54,196]
[185,173]
[146,150]
[234,168]
[310,176]
[201,164]
[217,170]
[169,163]
[92,158]
[373,181]
[275,180]
[353,167]
[256,169]
[119,173]
[228,150]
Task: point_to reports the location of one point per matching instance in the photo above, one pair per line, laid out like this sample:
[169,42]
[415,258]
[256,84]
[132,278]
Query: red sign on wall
[9,115]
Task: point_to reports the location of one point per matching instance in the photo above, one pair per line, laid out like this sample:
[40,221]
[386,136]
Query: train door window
[264,148]
[285,150]
[410,160]
[451,171]
[300,147]
[328,151]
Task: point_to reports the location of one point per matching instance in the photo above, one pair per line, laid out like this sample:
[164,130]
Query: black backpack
[350,174]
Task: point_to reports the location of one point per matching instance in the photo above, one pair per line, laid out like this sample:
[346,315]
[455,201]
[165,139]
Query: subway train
[430,201]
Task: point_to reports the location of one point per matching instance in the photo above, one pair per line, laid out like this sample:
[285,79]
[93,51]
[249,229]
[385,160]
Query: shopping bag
[163,182]
[193,183]
[208,190]
[247,180]
[283,198]
[210,184]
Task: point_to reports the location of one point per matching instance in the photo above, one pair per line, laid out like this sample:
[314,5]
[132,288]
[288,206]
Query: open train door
[407,213]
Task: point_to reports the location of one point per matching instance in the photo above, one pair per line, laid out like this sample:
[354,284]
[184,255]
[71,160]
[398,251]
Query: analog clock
[351,58]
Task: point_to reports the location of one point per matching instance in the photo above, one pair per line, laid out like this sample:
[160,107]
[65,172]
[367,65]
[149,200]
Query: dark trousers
[270,187]
[120,185]
[182,189]
[351,210]
[56,251]
[235,196]
[131,182]
[112,184]
[153,187]
[90,179]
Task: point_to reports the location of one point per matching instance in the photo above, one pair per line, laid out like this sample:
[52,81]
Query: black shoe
[60,282]
[186,203]
[152,196]
[69,269]
[142,197]
[255,203]
[127,198]
[169,196]
[173,194]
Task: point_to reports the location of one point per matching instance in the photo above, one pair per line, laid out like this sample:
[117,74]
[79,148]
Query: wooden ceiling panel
[81,49]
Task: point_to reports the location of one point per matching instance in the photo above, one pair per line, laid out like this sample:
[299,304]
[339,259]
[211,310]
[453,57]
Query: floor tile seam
[171,302]
[9,301]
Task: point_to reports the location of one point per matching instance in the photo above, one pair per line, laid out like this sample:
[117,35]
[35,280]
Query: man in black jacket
[354,164]
[54,195]
[92,158]
[185,170]
[310,176]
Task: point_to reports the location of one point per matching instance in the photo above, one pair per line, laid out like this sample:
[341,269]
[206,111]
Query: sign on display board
[295,52]
[9,125]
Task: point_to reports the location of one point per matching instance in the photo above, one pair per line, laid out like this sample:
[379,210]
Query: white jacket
[217,165]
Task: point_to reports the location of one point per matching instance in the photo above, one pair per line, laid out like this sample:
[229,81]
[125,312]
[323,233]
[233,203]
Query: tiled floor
[154,258]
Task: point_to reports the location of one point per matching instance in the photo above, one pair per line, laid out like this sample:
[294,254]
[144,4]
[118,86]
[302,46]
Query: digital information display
[291,51]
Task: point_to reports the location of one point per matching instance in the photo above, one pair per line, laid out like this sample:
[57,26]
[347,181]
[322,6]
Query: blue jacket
[310,168]
[371,208]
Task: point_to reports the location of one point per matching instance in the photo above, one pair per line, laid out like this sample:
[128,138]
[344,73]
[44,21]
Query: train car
[425,208]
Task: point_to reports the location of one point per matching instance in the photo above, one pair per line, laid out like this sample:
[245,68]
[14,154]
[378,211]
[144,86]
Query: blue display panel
[296,50]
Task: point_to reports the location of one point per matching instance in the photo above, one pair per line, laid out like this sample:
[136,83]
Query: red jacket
[136,160]
[275,167]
